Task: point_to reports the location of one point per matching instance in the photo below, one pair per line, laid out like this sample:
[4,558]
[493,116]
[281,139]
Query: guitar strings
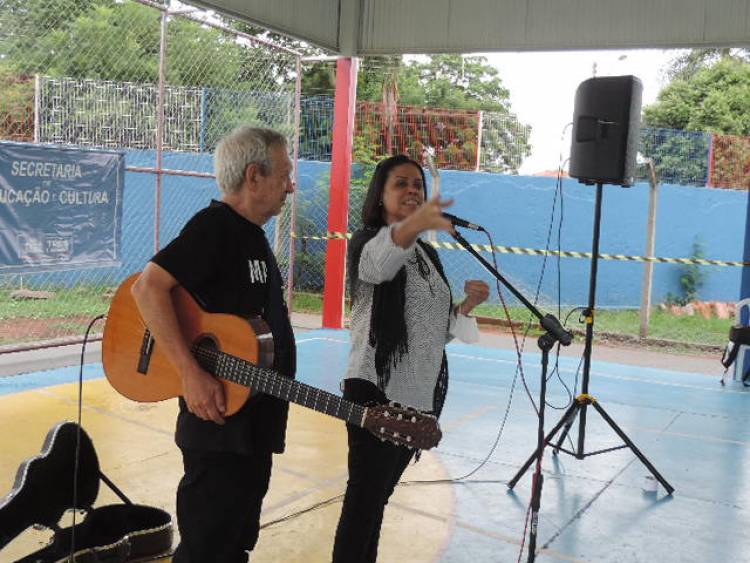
[266,378]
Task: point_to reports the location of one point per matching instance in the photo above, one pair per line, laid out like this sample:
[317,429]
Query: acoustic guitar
[239,352]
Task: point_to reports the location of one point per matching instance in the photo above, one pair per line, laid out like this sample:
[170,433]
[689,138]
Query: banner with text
[59,208]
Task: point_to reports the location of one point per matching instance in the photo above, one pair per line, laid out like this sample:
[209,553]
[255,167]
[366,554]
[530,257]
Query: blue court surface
[693,431]
[598,509]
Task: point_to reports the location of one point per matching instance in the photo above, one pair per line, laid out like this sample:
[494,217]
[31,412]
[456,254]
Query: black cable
[77,453]
[310,508]
[556,368]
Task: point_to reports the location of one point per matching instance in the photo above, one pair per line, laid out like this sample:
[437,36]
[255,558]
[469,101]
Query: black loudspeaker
[606,126]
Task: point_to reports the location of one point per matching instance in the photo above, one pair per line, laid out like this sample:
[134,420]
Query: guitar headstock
[403,426]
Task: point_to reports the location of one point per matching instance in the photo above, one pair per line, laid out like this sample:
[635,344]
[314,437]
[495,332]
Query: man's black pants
[218,505]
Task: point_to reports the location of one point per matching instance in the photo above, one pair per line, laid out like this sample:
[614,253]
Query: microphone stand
[554,332]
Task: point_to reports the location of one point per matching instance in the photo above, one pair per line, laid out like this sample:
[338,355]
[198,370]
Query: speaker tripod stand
[584,400]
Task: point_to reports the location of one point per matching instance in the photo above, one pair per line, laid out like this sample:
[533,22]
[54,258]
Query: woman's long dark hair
[372,208]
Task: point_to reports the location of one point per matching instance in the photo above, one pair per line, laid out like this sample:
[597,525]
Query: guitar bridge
[147,347]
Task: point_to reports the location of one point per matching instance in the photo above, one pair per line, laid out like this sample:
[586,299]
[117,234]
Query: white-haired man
[223,259]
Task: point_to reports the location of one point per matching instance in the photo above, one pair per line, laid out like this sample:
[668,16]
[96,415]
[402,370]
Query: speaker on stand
[604,144]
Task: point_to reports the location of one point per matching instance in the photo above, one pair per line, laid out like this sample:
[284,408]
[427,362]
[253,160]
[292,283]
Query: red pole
[338,208]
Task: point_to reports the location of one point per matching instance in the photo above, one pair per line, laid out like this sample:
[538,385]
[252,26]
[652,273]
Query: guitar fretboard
[237,370]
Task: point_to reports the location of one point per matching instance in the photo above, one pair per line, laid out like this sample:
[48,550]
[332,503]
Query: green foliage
[200,56]
[16,104]
[688,64]
[680,157]
[453,82]
[437,81]
[693,276]
[714,99]
[80,301]
[119,41]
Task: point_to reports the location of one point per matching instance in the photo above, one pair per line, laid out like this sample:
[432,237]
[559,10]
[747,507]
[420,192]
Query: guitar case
[43,491]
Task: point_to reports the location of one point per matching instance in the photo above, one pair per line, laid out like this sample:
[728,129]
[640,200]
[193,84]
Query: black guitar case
[43,491]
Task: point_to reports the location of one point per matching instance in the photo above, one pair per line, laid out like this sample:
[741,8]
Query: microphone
[462,222]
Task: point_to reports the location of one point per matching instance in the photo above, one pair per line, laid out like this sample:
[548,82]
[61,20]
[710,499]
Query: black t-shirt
[225,262]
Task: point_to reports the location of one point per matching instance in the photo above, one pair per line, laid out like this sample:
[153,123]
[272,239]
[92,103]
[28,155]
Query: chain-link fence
[482,141]
[730,162]
[164,86]
[159,81]
[694,158]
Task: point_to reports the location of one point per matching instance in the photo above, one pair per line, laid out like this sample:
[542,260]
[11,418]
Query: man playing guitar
[222,258]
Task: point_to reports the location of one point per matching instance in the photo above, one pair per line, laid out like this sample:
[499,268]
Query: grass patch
[70,305]
[662,325]
[80,301]
[313,303]
[307,302]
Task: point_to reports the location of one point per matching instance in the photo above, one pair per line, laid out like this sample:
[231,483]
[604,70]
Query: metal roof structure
[373,27]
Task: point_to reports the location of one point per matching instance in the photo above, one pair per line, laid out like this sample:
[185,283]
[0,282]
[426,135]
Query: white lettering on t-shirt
[257,270]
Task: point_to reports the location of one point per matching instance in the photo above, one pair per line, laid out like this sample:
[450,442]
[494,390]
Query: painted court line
[481,531]
[608,375]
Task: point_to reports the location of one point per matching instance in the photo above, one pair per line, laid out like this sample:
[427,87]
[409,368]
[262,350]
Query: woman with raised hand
[402,317]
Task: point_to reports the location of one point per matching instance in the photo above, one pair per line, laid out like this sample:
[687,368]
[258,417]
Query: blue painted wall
[516,210]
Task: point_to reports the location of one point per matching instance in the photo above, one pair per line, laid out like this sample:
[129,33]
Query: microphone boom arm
[548,322]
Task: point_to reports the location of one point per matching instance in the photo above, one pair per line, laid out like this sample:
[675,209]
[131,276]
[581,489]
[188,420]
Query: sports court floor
[695,432]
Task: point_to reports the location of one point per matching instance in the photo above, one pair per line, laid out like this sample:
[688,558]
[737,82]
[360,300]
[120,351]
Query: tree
[710,93]
[109,40]
[713,99]
[16,105]
[452,82]
[686,65]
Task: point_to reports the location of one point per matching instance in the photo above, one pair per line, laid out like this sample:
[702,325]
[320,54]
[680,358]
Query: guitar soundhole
[207,347]
[208,342]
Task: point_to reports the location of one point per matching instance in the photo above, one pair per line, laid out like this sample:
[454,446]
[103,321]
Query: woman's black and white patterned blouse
[412,380]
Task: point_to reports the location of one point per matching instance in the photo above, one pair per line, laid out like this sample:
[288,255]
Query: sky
[542,91]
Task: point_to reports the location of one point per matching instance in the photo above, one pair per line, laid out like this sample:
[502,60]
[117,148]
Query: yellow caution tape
[562,253]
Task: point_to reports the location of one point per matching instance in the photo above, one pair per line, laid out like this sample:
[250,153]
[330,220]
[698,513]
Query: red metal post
[338,208]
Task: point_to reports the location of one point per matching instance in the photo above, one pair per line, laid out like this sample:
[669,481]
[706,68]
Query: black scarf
[388,333]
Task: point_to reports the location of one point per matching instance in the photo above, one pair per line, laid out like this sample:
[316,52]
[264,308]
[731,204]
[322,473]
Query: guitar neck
[234,369]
